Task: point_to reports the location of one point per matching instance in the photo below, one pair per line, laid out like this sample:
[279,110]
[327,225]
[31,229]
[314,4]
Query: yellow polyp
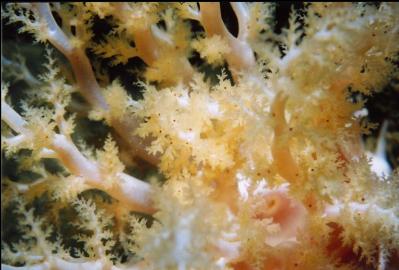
[226,151]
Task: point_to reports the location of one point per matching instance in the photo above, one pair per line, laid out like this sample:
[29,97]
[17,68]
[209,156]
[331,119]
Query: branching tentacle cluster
[243,152]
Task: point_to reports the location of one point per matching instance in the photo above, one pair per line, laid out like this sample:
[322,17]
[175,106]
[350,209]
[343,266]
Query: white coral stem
[135,193]
[60,264]
[86,81]
[12,118]
[241,56]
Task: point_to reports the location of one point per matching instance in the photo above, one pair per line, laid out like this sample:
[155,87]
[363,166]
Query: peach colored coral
[262,159]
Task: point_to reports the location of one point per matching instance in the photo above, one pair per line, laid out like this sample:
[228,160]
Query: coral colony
[254,138]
